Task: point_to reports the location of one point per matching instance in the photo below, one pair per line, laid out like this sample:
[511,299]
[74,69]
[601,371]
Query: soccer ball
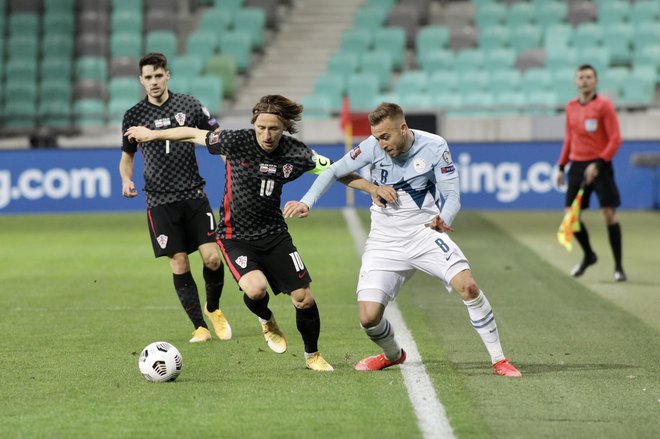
[160,361]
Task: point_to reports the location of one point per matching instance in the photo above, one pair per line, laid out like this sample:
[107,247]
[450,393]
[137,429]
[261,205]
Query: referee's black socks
[614,233]
[186,289]
[583,238]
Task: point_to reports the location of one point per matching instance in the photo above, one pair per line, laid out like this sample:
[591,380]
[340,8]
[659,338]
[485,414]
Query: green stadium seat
[644,11]
[469,59]
[124,88]
[187,66]
[638,90]
[383,4]
[126,45]
[587,35]
[89,112]
[334,98]
[54,112]
[550,12]
[611,81]
[490,15]
[57,46]
[526,36]
[252,21]
[599,57]
[330,83]
[22,69]
[541,102]
[614,12]
[231,6]
[19,88]
[565,58]
[431,38]
[179,84]
[55,89]
[507,102]
[238,45]
[536,79]
[59,5]
[58,21]
[563,84]
[443,81]
[436,60]
[415,101]
[645,34]
[380,63]
[22,47]
[499,58]
[648,56]
[91,67]
[132,6]
[162,41]
[224,67]
[117,106]
[446,100]
[473,80]
[477,103]
[505,79]
[343,63]
[494,37]
[56,67]
[216,20]
[392,40]
[411,82]
[557,37]
[519,14]
[208,89]
[618,40]
[362,88]
[201,43]
[19,114]
[126,21]
[316,107]
[370,18]
[23,23]
[356,41]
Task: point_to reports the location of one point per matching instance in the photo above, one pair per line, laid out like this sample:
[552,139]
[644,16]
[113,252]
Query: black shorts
[604,185]
[181,226]
[275,256]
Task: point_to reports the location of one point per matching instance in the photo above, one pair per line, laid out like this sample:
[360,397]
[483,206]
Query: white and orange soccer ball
[160,362]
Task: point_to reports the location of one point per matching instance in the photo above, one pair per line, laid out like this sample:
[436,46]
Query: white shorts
[388,264]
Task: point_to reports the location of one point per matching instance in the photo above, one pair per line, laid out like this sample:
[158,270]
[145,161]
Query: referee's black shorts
[276,256]
[604,185]
[181,226]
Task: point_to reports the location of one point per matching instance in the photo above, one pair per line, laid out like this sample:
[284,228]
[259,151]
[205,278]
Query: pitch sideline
[431,415]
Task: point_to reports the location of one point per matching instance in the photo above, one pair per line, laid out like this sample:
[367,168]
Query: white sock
[483,321]
[383,335]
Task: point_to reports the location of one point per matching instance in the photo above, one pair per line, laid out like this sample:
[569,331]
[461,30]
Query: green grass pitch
[81,295]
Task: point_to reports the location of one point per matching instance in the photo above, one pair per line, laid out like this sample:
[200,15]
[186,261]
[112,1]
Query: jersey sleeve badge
[213,137]
[355,152]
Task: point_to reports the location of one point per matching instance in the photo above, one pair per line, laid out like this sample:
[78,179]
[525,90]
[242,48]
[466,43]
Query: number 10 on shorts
[297,261]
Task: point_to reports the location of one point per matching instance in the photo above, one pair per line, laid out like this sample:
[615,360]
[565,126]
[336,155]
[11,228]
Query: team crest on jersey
[160,123]
[267,169]
[180,118]
[214,137]
[241,261]
[287,169]
[355,152]
[591,125]
[446,156]
[419,165]
[162,241]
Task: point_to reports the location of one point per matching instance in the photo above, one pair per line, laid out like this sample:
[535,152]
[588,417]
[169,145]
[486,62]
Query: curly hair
[287,111]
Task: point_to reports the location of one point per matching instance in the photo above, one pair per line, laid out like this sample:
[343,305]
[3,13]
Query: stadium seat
[435,60]
[504,79]
[163,41]
[216,20]
[507,102]
[431,38]
[208,89]
[54,112]
[613,12]
[473,80]
[370,18]
[536,79]
[638,90]
[55,89]
[201,43]
[446,100]
[563,84]
[644,11]
[343,63]
[224,67]
[89,112]
[362,88]
[316,107]
[648,56]
[22,47]
[59,5]
[19,114]
[117,107]
[499,58]
[126,21]
[58,21]
[124,88]
[469,59]
[411,82]
[599,57]
[23,23]
[384,4]
[490,15]
[238,45]
[132,6]
[519,14]
[557,37]
[18,88]
[415,101]
[356,41]
[587,35]
[187,66]
[476,103]
[270,8]
[494,37]
[565,58]
[645,34]
[22,69]
[126,44]
[443,81]
[56,67]
[541,102]
[526,36]
[611,81]
[618,40]
[380,63]
[91,67]
[231,6]
[179,84]
[57,46]
[252,21]
[550,12]
[392,40]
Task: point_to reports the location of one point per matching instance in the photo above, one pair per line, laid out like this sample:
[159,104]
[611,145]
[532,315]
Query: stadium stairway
[300,51]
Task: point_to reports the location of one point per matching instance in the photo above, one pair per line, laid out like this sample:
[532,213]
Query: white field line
[431,415]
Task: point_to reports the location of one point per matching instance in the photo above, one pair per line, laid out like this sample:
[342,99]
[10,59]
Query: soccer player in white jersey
[412,168]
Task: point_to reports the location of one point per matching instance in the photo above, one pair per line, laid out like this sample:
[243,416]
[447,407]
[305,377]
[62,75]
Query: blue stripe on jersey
[416,194]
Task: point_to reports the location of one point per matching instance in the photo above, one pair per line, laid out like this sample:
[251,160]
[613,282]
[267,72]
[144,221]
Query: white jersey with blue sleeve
[419,176]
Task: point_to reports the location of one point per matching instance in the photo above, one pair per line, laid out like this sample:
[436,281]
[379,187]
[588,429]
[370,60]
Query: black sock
[308,323]
[258,307]
[186,289]
[583,238]
[215,281]
[614,232]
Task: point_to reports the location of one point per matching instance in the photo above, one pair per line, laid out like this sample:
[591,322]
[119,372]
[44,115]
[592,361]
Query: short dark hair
[288,112]
[157,60]
[588,67]
[386,110]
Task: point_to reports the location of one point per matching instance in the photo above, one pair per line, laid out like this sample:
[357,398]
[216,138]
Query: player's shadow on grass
[541,368]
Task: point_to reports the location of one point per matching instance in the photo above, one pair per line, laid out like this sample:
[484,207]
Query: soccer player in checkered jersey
[179,216]
[592,140]
[252,232]
[411,167]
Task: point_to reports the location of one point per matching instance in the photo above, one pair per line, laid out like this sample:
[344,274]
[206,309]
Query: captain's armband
[322,163]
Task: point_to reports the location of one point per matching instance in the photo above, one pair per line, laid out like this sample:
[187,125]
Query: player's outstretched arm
[179,134]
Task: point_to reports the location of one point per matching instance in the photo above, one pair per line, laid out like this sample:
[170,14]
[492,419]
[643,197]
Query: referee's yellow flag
[570,224]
